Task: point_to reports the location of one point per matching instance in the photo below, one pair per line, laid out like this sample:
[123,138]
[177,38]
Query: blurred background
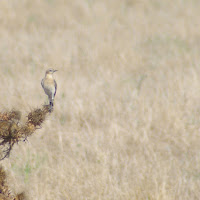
[126,121]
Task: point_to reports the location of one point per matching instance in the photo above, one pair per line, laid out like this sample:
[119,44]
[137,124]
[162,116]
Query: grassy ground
[126,123]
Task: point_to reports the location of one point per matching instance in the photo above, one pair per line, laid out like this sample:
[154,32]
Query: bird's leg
[50,106]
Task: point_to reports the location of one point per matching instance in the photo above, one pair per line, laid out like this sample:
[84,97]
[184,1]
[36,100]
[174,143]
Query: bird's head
[50,71]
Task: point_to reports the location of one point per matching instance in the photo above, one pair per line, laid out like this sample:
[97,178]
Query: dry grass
[126,123]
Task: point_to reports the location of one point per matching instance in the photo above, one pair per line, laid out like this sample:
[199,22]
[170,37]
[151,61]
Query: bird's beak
[55,70]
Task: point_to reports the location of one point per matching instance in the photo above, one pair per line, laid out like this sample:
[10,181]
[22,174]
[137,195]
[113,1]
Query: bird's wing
[55,87]
[42,83]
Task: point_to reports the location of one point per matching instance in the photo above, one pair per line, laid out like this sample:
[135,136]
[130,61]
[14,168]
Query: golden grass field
[126,121]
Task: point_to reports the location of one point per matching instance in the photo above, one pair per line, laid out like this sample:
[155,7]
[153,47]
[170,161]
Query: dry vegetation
[12,131]
[126,122]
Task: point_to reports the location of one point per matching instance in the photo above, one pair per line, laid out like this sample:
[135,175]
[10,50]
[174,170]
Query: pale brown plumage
[49,85]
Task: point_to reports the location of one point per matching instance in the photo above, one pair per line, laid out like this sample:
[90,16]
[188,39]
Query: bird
[50,86]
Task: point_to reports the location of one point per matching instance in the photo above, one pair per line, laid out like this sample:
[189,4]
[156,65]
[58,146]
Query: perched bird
[50,86]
